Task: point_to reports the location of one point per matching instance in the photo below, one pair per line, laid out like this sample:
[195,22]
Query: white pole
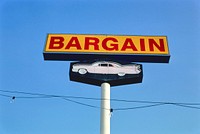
[105,108]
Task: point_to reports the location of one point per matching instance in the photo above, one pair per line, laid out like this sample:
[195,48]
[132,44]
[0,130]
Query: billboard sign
[79,47]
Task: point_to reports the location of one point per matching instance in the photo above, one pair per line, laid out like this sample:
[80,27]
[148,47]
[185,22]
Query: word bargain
[111,44]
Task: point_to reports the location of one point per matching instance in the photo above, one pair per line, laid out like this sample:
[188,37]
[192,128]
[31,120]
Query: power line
[88,105]
[39,95]
[5,95]
[187,106]
[139,107]
[80,103]
[69,98]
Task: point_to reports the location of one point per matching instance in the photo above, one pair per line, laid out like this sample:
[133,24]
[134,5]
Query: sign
[80,47]
[98,72]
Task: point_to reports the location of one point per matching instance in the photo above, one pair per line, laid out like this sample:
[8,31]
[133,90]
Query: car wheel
[121,73]
[82,71]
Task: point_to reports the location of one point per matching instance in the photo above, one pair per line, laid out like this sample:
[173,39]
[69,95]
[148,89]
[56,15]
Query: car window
[104,65]
[110,65]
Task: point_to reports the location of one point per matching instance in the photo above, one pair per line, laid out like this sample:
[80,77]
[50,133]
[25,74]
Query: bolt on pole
[105,109]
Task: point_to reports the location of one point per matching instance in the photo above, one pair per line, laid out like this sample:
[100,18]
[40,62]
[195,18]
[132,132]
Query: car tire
[121,73]
[82,71]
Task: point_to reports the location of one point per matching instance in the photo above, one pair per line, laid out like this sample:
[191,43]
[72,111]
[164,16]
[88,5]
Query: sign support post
[105,108]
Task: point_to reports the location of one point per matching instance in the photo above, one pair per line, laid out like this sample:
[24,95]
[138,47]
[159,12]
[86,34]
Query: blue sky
[24,26]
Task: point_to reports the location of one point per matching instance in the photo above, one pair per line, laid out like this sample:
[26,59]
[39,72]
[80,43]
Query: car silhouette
[106,67]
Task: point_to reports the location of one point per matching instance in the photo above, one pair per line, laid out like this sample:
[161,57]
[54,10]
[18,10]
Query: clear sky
[24,26]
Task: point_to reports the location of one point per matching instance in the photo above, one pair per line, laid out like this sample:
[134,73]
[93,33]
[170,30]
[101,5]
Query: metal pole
[105,108]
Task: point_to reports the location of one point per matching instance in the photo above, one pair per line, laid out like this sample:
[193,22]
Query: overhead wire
[187,106]
[49,96]
[69,98]
[39,95]
[139,107]
[84,104]
[4,95]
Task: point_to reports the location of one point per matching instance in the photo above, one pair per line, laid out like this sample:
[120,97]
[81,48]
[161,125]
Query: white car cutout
[106,67]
